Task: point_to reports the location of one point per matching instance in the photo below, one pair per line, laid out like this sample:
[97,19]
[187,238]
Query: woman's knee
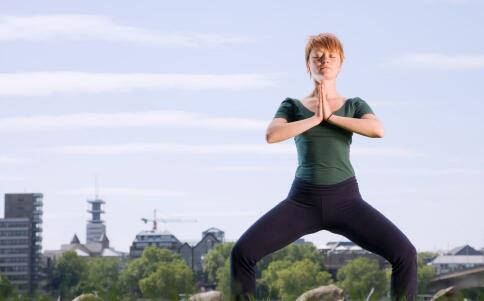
[407,254]
[239,251]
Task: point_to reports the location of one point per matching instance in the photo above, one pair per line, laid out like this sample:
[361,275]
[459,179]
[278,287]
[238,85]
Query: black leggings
[309,208]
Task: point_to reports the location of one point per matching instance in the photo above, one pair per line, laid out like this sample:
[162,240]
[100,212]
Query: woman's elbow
[379,133]
[269,137]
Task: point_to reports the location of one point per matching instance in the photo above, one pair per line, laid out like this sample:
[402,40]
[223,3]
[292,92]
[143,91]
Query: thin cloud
[455,2]
[126,119]
[125,192]
[250,168]
[437,61]
[229,213]
[137,148]
[425,171]
[79,27]
[385,152]
[11,179]
[208,149]
[47,83]
[8,160]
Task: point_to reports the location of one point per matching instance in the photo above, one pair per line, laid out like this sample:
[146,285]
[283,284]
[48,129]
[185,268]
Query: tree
[103,275]
[215,259]
[359,275]
[293,252]
[6,288]
[68,272]
[288,279]
[269,280]
[223,279]
[425,272]
[169,279]
[143,267]
[266,277]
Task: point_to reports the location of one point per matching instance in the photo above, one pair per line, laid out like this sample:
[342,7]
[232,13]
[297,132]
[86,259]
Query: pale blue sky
[168,103]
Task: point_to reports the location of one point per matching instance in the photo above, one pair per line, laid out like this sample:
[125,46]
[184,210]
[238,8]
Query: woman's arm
[279,129]
[368,125]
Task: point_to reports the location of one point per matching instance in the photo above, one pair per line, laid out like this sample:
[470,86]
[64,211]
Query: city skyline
[167,106]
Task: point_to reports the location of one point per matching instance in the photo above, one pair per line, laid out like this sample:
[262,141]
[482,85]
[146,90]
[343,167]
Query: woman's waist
[306,188]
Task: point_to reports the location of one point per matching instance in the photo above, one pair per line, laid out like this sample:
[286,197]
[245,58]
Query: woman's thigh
[360,222]
[283,224]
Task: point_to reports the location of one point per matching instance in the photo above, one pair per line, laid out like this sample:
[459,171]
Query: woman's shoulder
[356,101]
[290,101]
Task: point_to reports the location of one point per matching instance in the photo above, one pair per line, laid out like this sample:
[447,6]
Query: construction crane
[155,220]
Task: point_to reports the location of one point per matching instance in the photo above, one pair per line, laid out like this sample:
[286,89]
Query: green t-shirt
[323,151]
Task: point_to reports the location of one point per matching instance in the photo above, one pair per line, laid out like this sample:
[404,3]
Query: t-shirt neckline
[306,108]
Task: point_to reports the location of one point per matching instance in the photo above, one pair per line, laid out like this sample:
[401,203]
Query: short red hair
[326,41]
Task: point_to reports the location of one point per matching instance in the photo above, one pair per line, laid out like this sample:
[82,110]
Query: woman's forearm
[282,131]
[363,126]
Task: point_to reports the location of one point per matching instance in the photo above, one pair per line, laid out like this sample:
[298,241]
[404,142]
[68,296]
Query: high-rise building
[95,227]
[21,240]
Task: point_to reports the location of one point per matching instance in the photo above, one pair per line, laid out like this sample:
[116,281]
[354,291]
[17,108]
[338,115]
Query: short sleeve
[286,110]
[362,108]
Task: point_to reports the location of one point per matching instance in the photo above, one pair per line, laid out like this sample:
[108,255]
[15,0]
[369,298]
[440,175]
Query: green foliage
[270,265]
[6,288]
[90,297]
[169,279]
[215,259]
[223,279]
[142,267]
[74,275]
[301,261]
[292,253]
[425,273]
[475,293]
[102,278]
[68,272]
[359,275]
[299,277]
[140,274]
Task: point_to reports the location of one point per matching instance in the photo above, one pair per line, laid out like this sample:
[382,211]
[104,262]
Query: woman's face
[324,64]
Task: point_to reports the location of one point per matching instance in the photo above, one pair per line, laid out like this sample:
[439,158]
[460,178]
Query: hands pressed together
[324,111]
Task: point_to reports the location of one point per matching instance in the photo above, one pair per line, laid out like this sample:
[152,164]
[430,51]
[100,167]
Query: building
[154,237]
[97,242]
[458,259]
[464,250]
[98,248]
[21,240]
[338,253]
[192,253]
[95,227]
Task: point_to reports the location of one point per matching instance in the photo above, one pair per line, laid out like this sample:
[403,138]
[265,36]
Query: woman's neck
[331,91]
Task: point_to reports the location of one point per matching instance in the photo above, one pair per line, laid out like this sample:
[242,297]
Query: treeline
[160,274]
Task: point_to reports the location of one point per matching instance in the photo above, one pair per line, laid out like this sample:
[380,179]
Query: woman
[324,193]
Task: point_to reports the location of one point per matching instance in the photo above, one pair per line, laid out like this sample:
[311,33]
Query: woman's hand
[319,115]
[323,110]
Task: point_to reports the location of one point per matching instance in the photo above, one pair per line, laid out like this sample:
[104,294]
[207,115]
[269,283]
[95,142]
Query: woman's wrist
[315,119]
[327,119]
